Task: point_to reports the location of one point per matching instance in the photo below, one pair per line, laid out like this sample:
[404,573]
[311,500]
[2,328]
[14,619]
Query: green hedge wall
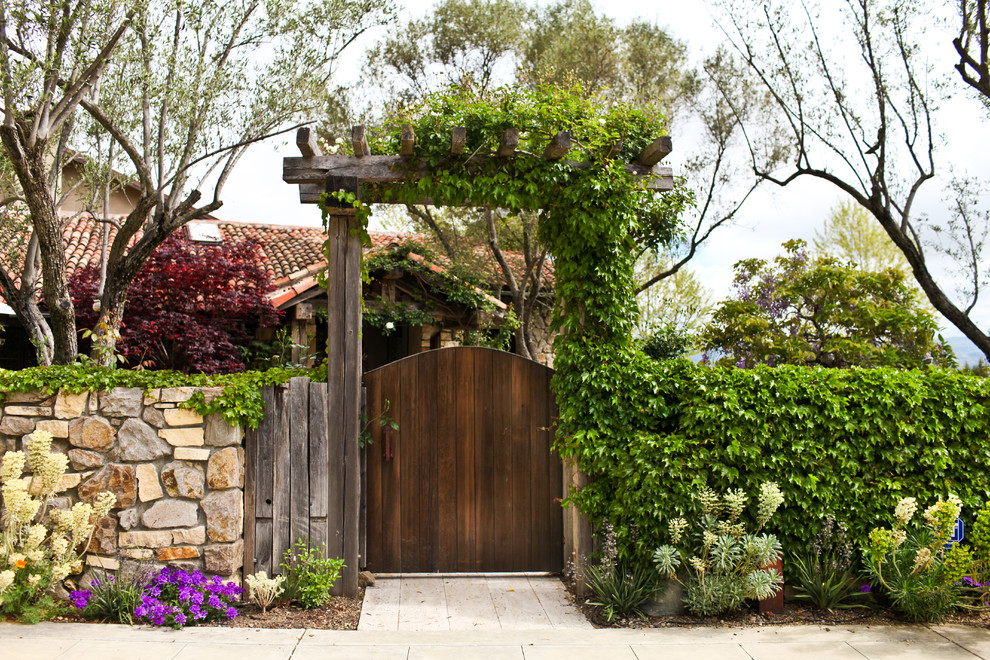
[848,442]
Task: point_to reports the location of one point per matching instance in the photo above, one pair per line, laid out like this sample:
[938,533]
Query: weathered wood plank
[408,457]
[506,534]
[372,485]
[263,546]
[298,422]
[655,152]
[250,492]
[509,143]
[427,411]
[458,140]
[407,141]
[282,482]
[447,443]
[520,465]
[319,463]
[537,476]
[363,521]
[359,142]
[467,532]
[555,478]
[389,453]
[558,147]
[485,420]
[266,455]
[307,142]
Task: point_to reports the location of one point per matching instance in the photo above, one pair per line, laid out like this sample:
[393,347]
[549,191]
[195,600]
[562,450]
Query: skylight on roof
[204,232]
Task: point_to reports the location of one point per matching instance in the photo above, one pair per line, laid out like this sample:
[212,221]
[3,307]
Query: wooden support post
[359,141]
[344,374]
[510,140]
[407,142]
[558,147]
[655,152]
[458,138]
[578,540]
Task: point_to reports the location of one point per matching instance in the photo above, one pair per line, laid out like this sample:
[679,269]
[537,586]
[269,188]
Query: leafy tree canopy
[191,308]
[821,312]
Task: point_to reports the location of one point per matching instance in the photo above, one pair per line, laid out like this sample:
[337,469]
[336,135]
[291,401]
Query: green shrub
[852,441]
[309,575]
[911,564]
[111,599]
[724,565]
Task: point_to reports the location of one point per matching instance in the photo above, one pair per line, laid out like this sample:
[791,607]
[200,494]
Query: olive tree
[179,88]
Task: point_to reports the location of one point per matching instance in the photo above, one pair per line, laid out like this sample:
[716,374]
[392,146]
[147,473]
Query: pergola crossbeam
[312,170]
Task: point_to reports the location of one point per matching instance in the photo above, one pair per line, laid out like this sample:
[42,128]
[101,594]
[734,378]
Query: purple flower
[180,619]
[865,589]
[231,613]
[80,599]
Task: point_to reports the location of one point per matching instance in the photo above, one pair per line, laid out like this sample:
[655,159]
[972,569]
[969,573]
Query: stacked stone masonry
[178,476]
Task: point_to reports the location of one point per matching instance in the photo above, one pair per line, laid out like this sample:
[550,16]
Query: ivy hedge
[239,403]
[847,442]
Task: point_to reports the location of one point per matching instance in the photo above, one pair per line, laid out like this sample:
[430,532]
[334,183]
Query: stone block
[226,468]
[10,425]
[104,541]
[82,459]
[224,515]
[91,433]
[58,428]
[182,417]
[118,479]
[182,552]
[224,559]
[106,563]
[171,513]
[177,394]
[140,442]
[221,434]
[152,397]
[210,393]
[141,554]
[128,518]
[70,406]
[156,539]
[191,454]
[37,398]
[192,536]
[122,402]
[149,488]
[69,480]
[183,480]
[154,417]
[190,437]
[28,411]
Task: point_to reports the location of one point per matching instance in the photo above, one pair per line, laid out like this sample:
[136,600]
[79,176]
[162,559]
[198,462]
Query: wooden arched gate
[468,482]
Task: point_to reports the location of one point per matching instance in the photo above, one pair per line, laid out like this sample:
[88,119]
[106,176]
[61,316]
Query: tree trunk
[107,330]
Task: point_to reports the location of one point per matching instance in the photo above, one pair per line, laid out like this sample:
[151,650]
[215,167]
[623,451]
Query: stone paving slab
[51,641]
[469,603]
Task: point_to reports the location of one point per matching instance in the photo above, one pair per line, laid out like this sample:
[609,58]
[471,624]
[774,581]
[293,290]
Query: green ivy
[240,401]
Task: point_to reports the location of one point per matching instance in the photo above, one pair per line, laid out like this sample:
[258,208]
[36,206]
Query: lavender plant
[723,565]
[109,598]
[176,598]
[824,574]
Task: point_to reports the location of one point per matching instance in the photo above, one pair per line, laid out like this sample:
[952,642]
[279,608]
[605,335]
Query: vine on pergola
[589,167]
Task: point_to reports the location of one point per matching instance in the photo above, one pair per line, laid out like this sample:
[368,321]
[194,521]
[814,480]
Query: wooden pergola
[315,174]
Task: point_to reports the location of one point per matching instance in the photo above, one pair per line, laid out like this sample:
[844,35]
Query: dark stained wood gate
[468,482]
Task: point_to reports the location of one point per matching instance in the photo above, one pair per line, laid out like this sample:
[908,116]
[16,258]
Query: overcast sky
[255,193]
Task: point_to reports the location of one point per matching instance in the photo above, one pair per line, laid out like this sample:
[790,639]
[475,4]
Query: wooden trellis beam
[312,170]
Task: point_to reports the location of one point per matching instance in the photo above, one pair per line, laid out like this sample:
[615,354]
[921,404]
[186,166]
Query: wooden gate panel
[472,484]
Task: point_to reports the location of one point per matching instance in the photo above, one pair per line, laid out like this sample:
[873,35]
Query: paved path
[80,641]
[469,603]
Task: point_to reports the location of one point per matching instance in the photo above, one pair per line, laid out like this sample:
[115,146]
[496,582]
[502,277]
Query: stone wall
[178,477]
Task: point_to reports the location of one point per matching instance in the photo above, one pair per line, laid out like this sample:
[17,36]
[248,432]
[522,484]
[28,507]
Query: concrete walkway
[80,641]
[469,603]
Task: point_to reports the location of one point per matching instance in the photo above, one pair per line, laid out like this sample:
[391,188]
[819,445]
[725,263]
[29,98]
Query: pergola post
[344,377]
